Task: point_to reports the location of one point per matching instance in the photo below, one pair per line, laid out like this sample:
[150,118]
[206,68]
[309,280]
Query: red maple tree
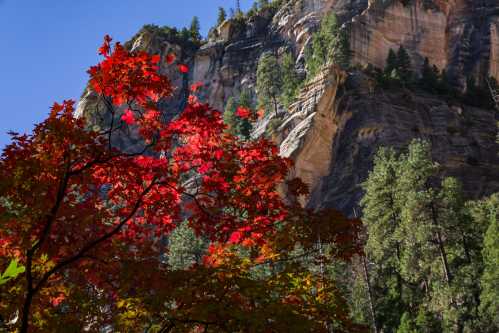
[86,219]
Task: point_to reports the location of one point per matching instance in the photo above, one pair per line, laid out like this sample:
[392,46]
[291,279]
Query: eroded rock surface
[334,129]
[457,35]
[335,143]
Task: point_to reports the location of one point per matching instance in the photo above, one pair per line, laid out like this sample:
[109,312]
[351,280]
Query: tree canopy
[91,225]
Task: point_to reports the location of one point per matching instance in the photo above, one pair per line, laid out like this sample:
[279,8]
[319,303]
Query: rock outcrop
[342,126]
[340,118]
[457,35]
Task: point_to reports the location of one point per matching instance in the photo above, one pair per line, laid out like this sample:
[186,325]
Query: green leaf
[12,271]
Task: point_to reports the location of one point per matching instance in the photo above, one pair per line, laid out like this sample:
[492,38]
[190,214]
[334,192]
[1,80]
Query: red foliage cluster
[70,198]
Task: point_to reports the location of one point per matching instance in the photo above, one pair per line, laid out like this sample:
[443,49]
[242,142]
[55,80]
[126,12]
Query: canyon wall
[339,119]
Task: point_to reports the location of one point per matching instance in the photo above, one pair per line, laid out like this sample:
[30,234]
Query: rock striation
[341,126]
[340,119]
[457,35]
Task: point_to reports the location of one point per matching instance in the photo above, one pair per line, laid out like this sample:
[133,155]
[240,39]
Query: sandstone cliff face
[333,131]
[227,63]
[457,35]
[309,128]
[340,119]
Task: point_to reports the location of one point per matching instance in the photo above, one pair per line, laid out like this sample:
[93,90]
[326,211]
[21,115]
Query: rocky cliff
[457,35]
[339,118]
[334,132]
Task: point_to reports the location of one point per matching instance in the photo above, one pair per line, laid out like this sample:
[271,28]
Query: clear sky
[46,46]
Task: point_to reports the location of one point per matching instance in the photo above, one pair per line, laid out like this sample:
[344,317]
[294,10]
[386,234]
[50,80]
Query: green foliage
[237,125]
[406,324]
[391,62]
[194,30]
[290,80]
[268,82]
[398,72]
[172,34]
[329,45]
[424,244]
[404,66]
[222,15]
[244,125]
[230,116]
[490,278]
[185,248]
[430,76]
[11,272]
[398,69]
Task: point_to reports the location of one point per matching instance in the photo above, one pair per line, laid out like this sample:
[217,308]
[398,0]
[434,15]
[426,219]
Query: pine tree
[429,77]
[490,278]
[185,34]
[422,241]
[382,218]
[406,324]
[194,29]
[404,66]
[268,82]
[184,248]
[391,63]
[244,125]
[342,53]
[230,116]
[290,79]
[222,15]
[239,12]
[329,45]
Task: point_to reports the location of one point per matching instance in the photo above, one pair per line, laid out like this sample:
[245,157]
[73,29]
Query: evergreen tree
[423,244]
[490,278]
[329,45]
[222,15]
[391,62]
[185,34]
[381,216]
[185,248]
[429,77]
[342,52]
[230,118]
[445,83]
[239,12]
[406,324]
[290,80]
[268,82]
[194,29]
[244,125]
[404,66]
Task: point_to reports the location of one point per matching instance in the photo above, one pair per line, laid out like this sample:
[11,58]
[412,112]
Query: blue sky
[47,46]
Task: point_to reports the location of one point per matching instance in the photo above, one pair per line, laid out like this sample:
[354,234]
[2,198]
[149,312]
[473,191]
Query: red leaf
[219,154]
[205,167]
[128,117]
[196,86]
[155,59]
[57,300]
[170,58]
[235,237]
[183,68]
[243,112]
